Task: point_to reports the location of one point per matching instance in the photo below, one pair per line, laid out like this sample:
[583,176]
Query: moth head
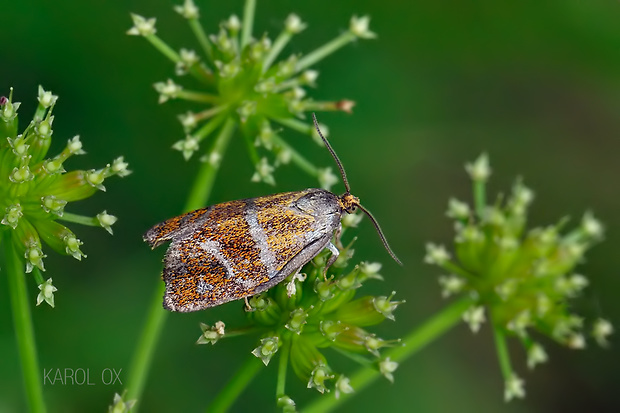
[349,203]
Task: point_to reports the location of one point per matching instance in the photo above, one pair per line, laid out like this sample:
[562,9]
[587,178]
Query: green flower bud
[47,293]
[319,375]
[343,385]
[188,10]
[287,404]
[387,367]
[211,334]
[53,205]
[142,26]
[267,348]
[264,310]
[293,24]
[536,355]
[359,27]
[106,221]
[46,98]
[187,146]
[34,257]
[601,330]
[331,329]
[72,247]
[480,169]
[514,388]
[12,216]
[297,320]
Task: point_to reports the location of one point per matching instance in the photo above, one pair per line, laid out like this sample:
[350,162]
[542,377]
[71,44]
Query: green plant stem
[248,21]
[202,37]
[156,317]
[197,96]
[480,198]
[79,219]
[163,48]
[24,331]
[206,175]
[282,366]
[502,352]
[296,157]
[324,51]
[171,54]
[295,124]
[235,386]
[143,355]
[416,340]
[281,41]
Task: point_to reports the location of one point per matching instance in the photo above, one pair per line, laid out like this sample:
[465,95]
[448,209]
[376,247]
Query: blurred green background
[535,83]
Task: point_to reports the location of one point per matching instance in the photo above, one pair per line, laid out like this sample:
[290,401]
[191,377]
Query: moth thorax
[348,203]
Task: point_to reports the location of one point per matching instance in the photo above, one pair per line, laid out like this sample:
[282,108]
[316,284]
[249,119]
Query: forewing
[216,263]
[175,228]
[240,249]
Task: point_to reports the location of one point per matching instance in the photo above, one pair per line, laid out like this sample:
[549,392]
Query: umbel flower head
[521,280]
[241,82]
[309,313]
[35,189]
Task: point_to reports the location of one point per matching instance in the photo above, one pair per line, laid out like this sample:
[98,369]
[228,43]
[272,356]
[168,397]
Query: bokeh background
[534,83]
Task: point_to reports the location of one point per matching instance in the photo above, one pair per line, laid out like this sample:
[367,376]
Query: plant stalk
[156,317]
[236,385]
[24,330]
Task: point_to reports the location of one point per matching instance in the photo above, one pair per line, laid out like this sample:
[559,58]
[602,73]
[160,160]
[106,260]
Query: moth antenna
[329,147]
[378,228]
[348,188]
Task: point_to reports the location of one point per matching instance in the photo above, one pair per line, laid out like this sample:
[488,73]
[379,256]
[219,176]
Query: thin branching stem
[295,124]
[324,51]
[479,197]
[248,21]
[206,175]
[501,347]
[282,367]
[236,385]
[163,47]
[202,37]
[304,164]
[281,41]
[79,219]
[24,331]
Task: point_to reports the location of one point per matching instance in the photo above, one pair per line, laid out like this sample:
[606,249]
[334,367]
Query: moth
[238,249]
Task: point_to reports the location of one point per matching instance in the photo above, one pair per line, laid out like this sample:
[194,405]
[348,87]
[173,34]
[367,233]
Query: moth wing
[296,227]
[175,227]
[213,263]
[195,279]
[241,248]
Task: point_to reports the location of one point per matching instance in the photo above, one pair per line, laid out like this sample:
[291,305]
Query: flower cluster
[35,189]
[241,83]
[309,312]
[522,279]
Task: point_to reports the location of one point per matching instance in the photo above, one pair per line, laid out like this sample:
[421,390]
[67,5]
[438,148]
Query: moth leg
[247,304]
[337,234]
[290,287]
[335,254]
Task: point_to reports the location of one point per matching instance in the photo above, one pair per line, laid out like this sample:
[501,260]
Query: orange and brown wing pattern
[176,227]
[236,249]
